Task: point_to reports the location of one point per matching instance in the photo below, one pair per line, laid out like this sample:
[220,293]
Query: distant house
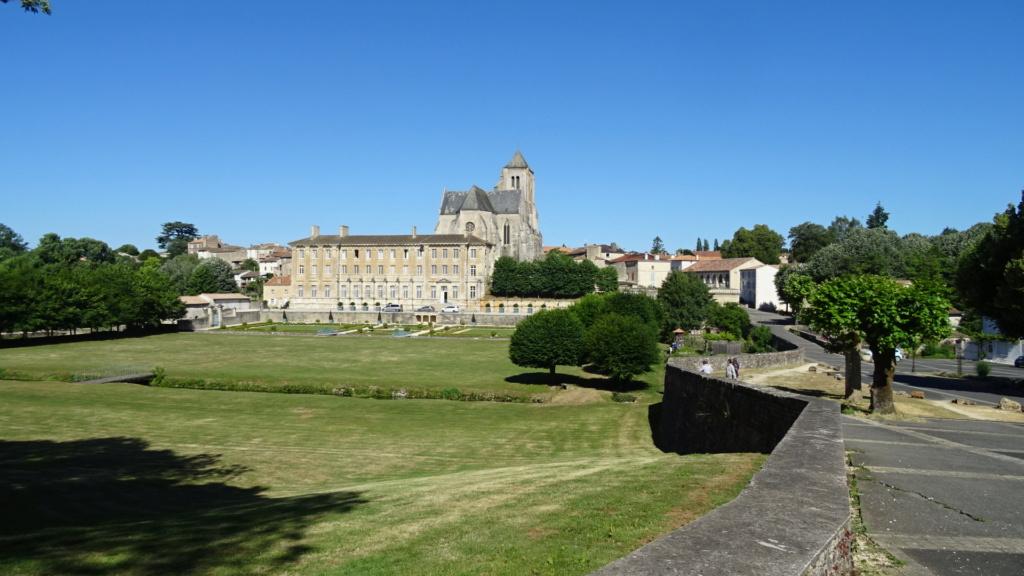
[757,287]
[722,276]
[708,254]
[276,291]
[244,277]
[196,306]
[643,270]
[681,262]
[599,254]
[1000,351]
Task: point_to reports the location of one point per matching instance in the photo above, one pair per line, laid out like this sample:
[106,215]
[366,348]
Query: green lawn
[125,479]
[344,361]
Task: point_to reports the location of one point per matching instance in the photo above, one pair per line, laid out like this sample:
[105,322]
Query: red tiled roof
[724,265]
[279,281]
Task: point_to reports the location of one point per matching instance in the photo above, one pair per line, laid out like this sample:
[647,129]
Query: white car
[450,308]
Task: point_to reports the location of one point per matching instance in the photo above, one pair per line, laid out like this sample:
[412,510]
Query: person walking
[736,367]
[730,370]
[705,367]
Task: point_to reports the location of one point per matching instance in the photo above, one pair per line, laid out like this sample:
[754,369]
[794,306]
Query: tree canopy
[175,237]
[548,339]
[878,217]
[35,6]
[990,277]
[805,240]
[621,348]
[762,243]
[685,300]
[557,275]
[884,314]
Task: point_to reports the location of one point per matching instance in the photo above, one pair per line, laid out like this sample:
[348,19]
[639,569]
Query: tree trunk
[853,376]
[881,387]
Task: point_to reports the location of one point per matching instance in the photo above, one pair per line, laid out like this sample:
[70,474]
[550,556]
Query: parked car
[425,309]
[450,308]
[899,355]
[1019,362]
[393,308]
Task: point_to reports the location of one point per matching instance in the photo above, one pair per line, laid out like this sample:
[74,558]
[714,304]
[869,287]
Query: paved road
[944,496]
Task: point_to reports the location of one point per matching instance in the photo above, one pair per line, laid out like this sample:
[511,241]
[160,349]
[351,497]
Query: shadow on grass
[113,505]
[599,382]
[990,385]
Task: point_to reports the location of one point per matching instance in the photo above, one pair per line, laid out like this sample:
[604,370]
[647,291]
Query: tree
[685,300]
[806,240]
[250,265]
[11,243]
[717,245]
[176,236]
[706,246]
[793,287]
[884,314]
[762,243]
[608,279]
[35,6]
[877,218]
[129,249]
[863,251]
[842,226]
[700,245]
[639,306]
[731,318]
[148,253]
[223,277]
[548,339]
[990,277]
[179,269]
[657,246]
[201,282]
[621,347]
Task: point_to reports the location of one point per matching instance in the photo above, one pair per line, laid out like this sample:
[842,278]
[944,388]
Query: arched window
[508,233]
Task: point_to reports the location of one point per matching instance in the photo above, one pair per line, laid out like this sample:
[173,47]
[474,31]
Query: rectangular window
[472,269]
[455,269]
[302,253]
[314,254]
[392,253]
[380,269]
[327,269]
[405,292]
[314,269]
[419,292]
[392,269]
[405,253]
[444,253]
[367,254]
[472,292]
[392,291]
[312,291]
[327,291]
[433,292]
[367,291]
[355,253]
[444,269]
[455,253]
[300,291]
[433,268]
[419,253]
[355,269]
[380,292]
[419,269]
[302,269]
[344,291]
[433,252]
[405,269]
[380,253]
[327,253]
[344,254]
[355,291]
[344,268]
[472,252]
[455,292]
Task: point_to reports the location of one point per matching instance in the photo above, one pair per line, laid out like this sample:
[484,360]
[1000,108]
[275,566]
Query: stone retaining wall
[793,519]
[790,355]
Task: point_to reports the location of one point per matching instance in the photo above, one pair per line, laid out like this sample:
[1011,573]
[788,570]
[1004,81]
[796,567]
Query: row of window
[391,269]
[392,291]
[343,253]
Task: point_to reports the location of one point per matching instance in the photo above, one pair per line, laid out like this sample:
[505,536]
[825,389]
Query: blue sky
[255,119]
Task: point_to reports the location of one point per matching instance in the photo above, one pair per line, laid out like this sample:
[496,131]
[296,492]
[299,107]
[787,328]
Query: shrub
[622,397]
[936,350]
[983,368]
[451,394]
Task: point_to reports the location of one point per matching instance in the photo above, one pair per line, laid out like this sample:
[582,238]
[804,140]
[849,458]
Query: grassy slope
[324,485]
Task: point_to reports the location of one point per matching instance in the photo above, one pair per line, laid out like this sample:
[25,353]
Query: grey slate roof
[495,201]
[395,240]
[517,161]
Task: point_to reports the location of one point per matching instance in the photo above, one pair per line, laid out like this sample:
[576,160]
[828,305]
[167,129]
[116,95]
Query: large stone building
[505,216]
[452,266]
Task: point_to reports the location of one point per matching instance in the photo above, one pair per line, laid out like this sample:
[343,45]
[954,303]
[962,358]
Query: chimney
[343,231]
[314,231]
[646,255]
[413,231]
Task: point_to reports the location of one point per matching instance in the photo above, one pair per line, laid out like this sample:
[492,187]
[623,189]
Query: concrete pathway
[945,496]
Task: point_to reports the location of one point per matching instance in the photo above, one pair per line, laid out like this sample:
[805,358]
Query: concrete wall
[793,519]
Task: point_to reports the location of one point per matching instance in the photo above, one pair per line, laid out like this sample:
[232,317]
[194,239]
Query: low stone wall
[790,355]
[793,519]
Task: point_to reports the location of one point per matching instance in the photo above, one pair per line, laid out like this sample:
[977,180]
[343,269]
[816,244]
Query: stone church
[505,216]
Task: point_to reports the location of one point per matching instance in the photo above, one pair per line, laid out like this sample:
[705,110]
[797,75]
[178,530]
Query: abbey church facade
[450,267]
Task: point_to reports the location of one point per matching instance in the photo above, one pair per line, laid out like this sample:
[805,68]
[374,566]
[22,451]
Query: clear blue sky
[255,119]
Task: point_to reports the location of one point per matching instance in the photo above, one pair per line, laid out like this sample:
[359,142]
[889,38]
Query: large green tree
[548,339]
[11,243]
[729,317]
[878,217]
[805,240]
[621,347]
[685,300]
[841,227]
[990,278]
[175,236]
[884,314]
[761,242]
[36,6]
[862,251]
